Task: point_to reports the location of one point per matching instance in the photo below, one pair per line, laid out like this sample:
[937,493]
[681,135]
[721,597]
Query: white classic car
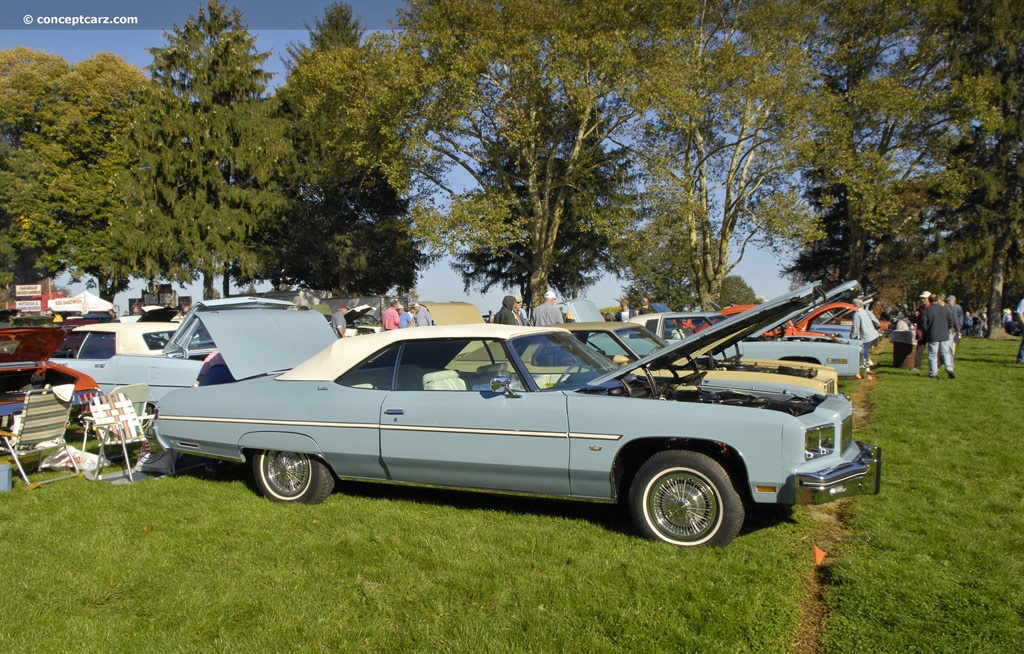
[250,333]
[529,410]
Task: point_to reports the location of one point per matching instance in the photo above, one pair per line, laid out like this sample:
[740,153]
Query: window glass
[559,361]
[604,344]
[377,372]
[98,345]
[642,343]
[682,326]
[157,340]
[200,339]
[69,348]
[454,365]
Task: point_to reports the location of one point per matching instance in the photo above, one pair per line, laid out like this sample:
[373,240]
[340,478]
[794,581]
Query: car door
[452,430]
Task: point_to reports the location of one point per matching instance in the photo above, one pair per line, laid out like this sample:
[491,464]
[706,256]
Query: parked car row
[844,355]
[687,432]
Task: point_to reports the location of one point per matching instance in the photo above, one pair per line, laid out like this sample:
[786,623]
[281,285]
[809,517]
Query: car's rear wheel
[292,477]
[686,499]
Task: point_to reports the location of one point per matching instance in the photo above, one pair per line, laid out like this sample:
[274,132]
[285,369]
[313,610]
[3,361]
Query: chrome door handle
[394,412]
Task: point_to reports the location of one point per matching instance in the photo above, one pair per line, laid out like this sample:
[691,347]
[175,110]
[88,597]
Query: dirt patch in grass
[830,532]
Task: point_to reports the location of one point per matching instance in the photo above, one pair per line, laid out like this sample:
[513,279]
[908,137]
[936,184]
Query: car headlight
[819,441]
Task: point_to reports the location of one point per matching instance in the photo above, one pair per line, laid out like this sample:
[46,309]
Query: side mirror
[499,384]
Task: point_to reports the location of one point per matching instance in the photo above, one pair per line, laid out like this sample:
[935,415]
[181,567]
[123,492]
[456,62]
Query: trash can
[5,477]
[902,348]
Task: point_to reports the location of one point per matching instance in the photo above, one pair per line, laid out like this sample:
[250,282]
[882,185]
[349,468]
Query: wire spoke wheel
[684,504]
[292,477]
[287,472]
[685,498]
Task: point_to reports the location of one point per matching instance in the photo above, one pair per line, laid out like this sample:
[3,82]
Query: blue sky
[30,23]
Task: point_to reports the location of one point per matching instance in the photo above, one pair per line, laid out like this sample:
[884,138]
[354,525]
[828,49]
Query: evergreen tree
[209,147]
[881,124]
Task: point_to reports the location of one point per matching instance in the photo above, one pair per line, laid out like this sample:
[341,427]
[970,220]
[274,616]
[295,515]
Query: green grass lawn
[201,563]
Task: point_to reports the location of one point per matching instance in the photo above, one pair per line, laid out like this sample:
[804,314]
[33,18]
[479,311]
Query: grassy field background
[200,563]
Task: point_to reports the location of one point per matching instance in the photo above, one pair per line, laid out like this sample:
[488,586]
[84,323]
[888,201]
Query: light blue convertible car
[530,410]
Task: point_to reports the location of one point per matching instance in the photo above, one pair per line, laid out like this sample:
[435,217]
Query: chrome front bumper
[862,476]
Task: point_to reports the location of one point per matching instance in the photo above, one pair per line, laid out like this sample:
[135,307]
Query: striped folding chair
[41,427]
[115,421]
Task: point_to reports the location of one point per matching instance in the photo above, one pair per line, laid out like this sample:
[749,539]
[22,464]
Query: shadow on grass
[611,516]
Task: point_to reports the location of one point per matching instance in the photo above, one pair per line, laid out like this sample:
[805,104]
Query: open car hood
[357,312]
[159,314]
[583,310]
[257,341]
[29,343]
[730,331]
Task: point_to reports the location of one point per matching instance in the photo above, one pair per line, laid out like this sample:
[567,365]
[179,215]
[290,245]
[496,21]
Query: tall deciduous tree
[513,110]
[883,124]
[64,151]
[986,49]
[27,85]
[731,91]
[209,146]
[348,229]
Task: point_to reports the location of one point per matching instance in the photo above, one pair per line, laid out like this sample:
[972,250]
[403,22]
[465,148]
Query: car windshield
[678,327]
[559,361]
[641,342]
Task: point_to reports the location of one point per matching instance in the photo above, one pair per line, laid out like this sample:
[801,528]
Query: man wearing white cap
[421,316]
[547,313]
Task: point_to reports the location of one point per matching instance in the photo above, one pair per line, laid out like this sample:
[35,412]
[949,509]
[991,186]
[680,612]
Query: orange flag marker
[819,555]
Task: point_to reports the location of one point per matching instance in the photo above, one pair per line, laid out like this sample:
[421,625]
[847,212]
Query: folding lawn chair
[44,419]
[115,420]
[139,396]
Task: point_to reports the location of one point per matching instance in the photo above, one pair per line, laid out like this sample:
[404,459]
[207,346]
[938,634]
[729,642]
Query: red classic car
[23,366]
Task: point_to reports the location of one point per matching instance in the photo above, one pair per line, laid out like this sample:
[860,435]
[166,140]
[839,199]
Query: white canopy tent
[84,302]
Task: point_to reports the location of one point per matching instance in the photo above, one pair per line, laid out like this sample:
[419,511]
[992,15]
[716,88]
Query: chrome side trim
[489,432]
[389,427]
[257,421]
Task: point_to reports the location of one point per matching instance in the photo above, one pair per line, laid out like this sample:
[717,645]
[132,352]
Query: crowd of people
[939,323]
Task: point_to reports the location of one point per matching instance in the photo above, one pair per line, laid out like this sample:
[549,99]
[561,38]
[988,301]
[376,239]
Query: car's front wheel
[292,477]
[686,499]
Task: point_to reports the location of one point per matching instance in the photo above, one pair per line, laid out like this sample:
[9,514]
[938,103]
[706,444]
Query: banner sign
[29,305]
[28,290]
[67,304]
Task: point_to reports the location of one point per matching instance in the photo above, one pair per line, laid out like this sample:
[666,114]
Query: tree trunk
[998,278]
[208,292]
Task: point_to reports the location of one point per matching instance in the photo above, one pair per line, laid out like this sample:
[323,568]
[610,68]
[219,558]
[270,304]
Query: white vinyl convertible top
[348,352]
